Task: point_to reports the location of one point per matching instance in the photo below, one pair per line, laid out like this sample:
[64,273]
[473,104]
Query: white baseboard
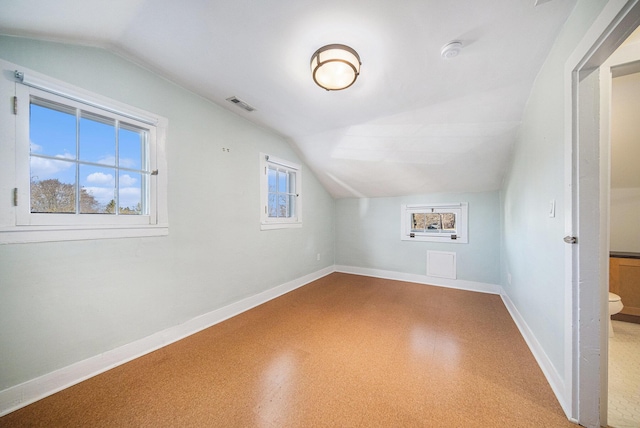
[460,284]
[33,390]
[550,372]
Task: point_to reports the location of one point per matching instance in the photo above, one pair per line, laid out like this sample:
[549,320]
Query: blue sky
[53,133]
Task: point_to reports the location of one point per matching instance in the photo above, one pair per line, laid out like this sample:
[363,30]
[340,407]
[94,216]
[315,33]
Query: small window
[280,191]
[435,222]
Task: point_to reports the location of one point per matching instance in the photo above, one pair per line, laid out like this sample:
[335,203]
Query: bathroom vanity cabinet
[624,280]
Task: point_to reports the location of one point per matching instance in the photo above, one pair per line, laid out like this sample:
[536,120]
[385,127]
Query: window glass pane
[444,222]
[281,192]
[292,206]
[448,221]
[97,139]
[418,222]
[131,142]
[273,207]
[283,182]
[53,192]
[439,223]
[272,179]
[130,191]
[97,190]
[52,130]
[433,222]
[292,182]
[283,206]
[45,168]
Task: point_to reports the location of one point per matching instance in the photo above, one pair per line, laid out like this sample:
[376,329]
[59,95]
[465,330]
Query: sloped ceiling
[412,123]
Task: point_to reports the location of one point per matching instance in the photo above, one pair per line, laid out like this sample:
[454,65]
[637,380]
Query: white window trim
[17,224]
[266,222]
[462,221]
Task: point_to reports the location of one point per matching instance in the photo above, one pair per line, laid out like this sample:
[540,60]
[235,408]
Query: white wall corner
[21,395]
[459,284]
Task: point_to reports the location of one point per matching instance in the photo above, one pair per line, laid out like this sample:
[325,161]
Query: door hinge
[15,197]
[571,239]
[15,105]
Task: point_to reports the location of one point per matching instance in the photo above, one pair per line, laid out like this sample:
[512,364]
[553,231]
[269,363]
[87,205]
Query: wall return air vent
[237,101]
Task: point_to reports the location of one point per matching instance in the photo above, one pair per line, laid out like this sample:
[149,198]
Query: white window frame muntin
[462,222]
[12,233]
[270,223]
[24,216]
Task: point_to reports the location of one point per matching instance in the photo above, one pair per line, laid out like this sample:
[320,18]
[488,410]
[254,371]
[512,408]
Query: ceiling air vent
[237,101]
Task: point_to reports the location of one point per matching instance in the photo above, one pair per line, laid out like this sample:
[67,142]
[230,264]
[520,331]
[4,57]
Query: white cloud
[43,168]
[129,196]
[102,194]
[107,160]
[34,147]
[126,180]
[128,163]
[100,178]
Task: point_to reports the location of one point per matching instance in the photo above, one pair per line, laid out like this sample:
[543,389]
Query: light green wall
[67,301]
[368,235]
[532,245]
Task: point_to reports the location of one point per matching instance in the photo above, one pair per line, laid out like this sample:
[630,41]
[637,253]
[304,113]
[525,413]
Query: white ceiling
[412,123]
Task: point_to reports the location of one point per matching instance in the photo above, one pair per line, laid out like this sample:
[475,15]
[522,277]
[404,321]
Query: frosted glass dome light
[335,67]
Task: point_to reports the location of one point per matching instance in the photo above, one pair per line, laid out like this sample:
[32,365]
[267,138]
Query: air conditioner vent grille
[243,105]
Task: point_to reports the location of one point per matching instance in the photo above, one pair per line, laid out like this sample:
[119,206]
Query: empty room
[293,214]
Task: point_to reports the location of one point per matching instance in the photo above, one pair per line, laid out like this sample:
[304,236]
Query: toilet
[615,306]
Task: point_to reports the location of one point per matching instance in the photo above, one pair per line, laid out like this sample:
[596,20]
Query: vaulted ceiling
[412,123]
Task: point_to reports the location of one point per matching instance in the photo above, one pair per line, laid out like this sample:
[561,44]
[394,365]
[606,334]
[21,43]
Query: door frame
[587,210]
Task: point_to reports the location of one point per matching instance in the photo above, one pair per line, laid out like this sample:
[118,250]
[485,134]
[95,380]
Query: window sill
[444,239]
[31,234]
[272,226]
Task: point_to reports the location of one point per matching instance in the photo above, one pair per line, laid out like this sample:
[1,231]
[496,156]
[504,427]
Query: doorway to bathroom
[588,190]
[624,235]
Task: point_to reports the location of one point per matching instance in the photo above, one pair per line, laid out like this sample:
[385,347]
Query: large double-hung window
[86,167]
[83,161]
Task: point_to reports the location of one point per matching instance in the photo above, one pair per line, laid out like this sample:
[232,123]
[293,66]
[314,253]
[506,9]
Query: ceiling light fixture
[335,67]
